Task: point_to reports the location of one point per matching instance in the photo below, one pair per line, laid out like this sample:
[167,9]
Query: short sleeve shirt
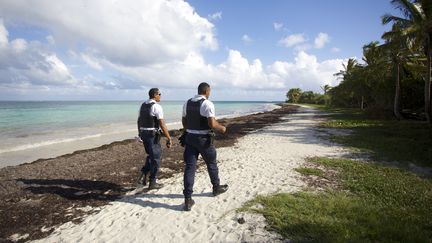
[156,110]
[207,108]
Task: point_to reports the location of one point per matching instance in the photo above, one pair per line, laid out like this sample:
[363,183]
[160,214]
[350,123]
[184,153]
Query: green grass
[385,140]
[372,204]
[310,171]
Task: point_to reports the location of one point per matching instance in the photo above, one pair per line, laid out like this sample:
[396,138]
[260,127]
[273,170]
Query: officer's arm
[184,122]
[165,131]
[139,120]
[213,124]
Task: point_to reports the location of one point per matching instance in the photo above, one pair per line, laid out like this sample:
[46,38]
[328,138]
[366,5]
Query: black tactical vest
[145,120]
[193,117]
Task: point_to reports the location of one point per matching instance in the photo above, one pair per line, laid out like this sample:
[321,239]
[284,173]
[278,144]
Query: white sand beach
[262,163]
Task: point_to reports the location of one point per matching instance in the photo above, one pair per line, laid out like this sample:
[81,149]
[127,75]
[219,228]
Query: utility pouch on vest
[182,139]
[157,136]
[212,136]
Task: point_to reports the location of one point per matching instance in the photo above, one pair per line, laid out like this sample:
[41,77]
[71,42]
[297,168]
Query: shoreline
[66,147]
[93,178]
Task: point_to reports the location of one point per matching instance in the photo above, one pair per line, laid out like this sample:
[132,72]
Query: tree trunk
[396,105]
[362,103]
[428,82]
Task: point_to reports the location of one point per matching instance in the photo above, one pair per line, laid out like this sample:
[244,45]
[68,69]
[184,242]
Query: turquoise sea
[30,130]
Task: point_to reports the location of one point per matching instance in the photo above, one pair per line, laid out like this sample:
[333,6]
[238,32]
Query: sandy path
[260,163]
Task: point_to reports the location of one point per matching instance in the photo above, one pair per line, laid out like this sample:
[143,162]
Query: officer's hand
[223,129]
[168,143]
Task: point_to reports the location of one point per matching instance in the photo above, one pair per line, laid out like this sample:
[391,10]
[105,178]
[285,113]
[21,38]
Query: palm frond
[426,6]
[387,18]
[409,9]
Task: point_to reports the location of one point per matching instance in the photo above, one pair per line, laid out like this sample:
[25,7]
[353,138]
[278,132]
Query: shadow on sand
[144,199]
[75,189]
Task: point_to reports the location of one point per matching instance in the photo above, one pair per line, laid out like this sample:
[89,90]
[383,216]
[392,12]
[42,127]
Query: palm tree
[416,26]
[345,91]
[293,95]
[373,77]
[398,49]
[348,68]
[326,88]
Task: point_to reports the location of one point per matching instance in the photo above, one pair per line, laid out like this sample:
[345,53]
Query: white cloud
[25,64]
[238,73]
[277,26]
[215,16]
[3,34]
[335,49]
[50,39]
[299,42]
[18,45]
[91,61]
[321,40]
[246,39]
[139,44]
[129,33]
[303,47]
[306,72]
[292,40]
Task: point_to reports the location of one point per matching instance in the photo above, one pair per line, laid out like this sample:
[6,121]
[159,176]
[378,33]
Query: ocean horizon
[32,130]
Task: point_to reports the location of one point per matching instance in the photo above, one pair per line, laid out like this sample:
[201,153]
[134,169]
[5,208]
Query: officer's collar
[150,101]
[200,96]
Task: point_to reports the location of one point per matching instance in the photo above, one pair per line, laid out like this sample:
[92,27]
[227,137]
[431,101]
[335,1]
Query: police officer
[199,120]
[150,122]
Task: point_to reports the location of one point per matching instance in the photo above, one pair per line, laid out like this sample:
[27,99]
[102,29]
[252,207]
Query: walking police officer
[199,122]
[150,122]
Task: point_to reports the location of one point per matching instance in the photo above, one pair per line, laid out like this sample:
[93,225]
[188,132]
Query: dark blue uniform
[196,144]
[149,133]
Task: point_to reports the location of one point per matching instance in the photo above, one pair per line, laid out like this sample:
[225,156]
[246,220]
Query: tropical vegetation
[386,196]
[393,76]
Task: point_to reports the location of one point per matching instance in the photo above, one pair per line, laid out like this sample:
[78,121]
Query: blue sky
[350,24]
[117,50]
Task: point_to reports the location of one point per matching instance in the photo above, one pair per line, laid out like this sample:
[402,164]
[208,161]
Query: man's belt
[147,128]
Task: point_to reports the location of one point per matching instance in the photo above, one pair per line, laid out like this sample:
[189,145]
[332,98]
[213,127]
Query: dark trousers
[195,145]
[153,149]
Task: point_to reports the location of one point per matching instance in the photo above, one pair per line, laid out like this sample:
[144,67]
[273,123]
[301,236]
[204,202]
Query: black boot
[219,189]
[189,202]
[142,180]
[155,185]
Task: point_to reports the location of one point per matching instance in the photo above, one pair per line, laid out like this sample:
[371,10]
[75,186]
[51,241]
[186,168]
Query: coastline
[64,146]
[93,178]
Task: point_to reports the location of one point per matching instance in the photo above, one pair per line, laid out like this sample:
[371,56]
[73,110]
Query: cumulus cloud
[292,40]
[129,33]
[134,45]
[277,26]
[306,72]
[215,16]
[30,63]
[246,39]
[300,43]
[238,73]
[321,40]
